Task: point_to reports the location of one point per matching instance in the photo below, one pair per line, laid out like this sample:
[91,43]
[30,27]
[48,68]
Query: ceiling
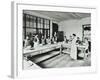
[61,16]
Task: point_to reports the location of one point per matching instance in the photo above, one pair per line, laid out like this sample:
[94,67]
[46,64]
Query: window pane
[31,19]
[31,25]
[41,21]
[34,25]
[27,20]
[30,30]
[44,21]
[47,22]
[39,25]
[34,22]
[34,19]
[27,23]
[47,26]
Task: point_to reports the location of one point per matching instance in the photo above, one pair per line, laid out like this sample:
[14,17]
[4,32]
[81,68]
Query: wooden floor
[56,60]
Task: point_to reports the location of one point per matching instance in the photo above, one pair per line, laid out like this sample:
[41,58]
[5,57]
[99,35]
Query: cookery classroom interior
[54,39]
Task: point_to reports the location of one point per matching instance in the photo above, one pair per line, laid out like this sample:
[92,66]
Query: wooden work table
[46,48]
[41,49]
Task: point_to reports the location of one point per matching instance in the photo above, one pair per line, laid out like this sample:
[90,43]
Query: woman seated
[31,42]
[78,41]
[48,41]
[84,51]
[52,40]
[86,44]
[36,41]
[27,43]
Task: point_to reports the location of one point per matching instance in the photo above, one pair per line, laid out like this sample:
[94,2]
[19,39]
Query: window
[35,25]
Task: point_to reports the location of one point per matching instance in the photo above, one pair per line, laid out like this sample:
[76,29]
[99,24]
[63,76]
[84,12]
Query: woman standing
[73,53]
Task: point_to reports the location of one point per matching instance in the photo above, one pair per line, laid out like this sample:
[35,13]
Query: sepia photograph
[55,39]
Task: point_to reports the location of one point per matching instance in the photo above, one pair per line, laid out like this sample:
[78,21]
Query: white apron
[73,53]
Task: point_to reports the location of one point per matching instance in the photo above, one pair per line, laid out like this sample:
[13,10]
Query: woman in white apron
[36,41]
[73,53]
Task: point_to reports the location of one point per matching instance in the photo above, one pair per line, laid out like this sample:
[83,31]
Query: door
[54,28]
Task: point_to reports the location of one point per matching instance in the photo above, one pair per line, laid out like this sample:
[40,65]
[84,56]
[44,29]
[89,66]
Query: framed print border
[16,55]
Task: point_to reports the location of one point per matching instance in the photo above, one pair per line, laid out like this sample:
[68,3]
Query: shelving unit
[87,31]
[87,34]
